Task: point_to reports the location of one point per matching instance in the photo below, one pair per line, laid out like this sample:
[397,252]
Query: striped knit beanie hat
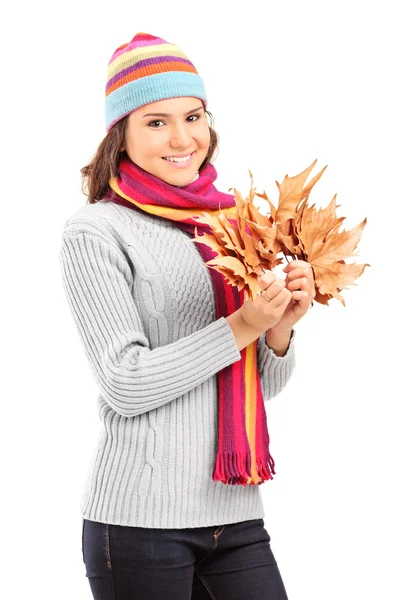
[145,70]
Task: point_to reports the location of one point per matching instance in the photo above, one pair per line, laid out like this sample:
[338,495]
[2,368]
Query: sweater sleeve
[275,371]
[133,378]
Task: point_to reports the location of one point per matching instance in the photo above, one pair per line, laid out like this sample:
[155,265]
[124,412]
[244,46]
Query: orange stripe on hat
[162,67]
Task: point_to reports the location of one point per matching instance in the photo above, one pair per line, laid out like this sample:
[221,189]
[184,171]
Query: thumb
[302,301]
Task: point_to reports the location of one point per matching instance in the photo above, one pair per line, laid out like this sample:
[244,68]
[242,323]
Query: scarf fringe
[233,468]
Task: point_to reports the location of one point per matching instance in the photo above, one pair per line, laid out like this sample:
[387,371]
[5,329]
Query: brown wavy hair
[106,161]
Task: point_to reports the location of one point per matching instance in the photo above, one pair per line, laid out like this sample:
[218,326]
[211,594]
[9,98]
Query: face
[168,138]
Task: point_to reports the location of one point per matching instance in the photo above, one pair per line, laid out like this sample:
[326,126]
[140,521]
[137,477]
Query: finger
[303,269]
[297,273]
[302,284]
[309,273]
[302,302]
[274,288]
[295,264]
[282,299]
[273,301]
[306,287]
[266,279]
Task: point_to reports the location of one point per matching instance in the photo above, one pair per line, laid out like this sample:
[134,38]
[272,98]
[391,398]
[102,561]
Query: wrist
[278,340]
[255,331]
[278,334]
[280,331]
[244,333]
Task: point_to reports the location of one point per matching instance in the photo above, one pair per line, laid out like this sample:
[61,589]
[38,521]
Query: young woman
[185,365]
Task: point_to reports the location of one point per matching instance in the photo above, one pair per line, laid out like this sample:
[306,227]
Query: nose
[180,136]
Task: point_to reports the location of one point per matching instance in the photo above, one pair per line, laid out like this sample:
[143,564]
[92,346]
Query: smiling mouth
[178,159]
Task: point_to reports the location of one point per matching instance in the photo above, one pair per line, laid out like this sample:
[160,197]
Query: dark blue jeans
[225,562]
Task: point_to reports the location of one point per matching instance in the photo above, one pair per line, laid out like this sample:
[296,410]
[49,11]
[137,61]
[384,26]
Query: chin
[180,179]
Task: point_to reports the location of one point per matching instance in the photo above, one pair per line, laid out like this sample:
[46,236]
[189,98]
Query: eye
[152,124]
[195,117]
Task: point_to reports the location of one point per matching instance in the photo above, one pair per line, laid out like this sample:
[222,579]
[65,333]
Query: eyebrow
[167,115]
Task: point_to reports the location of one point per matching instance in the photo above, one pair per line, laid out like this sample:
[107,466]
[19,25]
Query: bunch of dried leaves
[252,242]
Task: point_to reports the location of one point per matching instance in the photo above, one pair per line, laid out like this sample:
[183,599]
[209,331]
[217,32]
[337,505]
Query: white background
[287,82]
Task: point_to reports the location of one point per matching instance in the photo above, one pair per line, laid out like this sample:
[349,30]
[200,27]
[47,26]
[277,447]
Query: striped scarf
[243,455]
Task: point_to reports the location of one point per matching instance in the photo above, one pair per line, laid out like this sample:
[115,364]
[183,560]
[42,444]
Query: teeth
[178,158]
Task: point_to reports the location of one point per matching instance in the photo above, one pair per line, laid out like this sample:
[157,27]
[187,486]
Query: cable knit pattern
[143,304]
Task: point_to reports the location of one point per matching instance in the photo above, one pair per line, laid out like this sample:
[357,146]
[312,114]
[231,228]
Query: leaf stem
[294,257]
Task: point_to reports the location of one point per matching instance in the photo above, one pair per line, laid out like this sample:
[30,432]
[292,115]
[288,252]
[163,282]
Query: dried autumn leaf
[262,230]
[230,259]
[251,257]
[271,205]
[261,233]
[324,247]
[251,242]
[244,246]
[291,194]
[313,235]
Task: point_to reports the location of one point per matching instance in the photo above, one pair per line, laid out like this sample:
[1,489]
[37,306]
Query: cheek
[203,137]
[153,146]
[144,145]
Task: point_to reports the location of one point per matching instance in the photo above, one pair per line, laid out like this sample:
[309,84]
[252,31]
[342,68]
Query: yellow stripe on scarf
[251,407]
[168,212]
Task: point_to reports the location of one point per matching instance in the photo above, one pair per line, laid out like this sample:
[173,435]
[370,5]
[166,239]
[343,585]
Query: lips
[178,157]
[179,162]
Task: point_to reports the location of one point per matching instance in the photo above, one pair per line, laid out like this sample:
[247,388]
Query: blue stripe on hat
[161,86]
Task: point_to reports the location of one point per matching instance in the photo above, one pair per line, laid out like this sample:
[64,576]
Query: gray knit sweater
[143,303]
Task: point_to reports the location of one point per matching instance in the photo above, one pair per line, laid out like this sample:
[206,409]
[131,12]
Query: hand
[300,282]
[265,311]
